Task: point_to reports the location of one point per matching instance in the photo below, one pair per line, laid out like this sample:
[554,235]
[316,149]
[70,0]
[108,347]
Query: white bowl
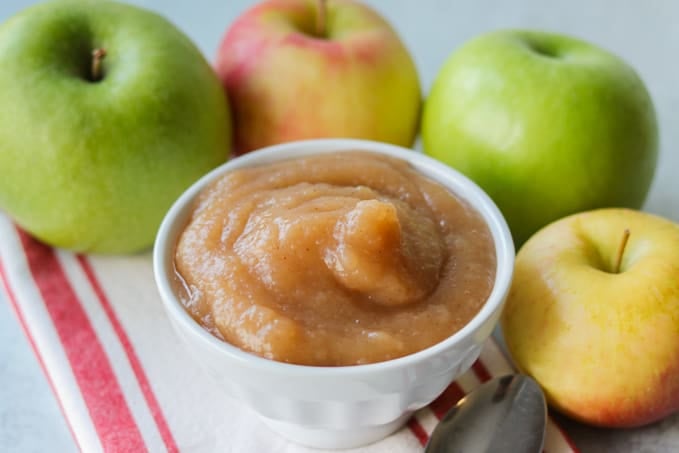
[347,406]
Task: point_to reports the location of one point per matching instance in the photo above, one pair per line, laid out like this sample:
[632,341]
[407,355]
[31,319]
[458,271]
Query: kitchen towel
[124,381]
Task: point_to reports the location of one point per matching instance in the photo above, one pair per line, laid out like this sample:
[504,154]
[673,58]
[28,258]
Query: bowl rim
[455,181]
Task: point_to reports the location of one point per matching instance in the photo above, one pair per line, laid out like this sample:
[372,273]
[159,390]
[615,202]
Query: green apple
[107,113]
[300,69]
[593,316]
[548,125]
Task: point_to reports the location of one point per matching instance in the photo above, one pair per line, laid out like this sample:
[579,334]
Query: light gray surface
[644,33]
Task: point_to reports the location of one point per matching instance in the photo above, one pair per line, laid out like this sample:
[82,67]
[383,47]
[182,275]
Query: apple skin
[604,346]
[94,166]
[547,124]
[284,83]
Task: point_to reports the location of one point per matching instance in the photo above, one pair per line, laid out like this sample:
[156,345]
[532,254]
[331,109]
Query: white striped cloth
[124,381]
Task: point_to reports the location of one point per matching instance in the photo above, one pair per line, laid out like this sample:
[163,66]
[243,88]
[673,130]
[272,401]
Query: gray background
[645,33]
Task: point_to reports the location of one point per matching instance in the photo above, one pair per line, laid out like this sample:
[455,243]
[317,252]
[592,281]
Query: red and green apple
[298,69]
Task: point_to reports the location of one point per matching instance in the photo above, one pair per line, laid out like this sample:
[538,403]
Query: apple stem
[621,250]
[97,57]
[321,18]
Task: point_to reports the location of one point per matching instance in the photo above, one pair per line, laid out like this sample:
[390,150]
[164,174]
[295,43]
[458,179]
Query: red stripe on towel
[481,371]
[418,431]
[135,363]
[101,392]
[568,440]
[446,400]
[24,326]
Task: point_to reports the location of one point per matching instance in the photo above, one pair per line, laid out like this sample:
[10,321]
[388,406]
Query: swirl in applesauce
[336,259]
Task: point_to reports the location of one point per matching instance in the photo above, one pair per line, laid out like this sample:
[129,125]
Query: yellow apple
[593,316]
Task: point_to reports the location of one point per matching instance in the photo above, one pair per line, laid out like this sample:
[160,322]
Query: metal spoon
[505,414]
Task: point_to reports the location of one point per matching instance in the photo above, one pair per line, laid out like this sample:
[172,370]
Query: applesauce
[334,259]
